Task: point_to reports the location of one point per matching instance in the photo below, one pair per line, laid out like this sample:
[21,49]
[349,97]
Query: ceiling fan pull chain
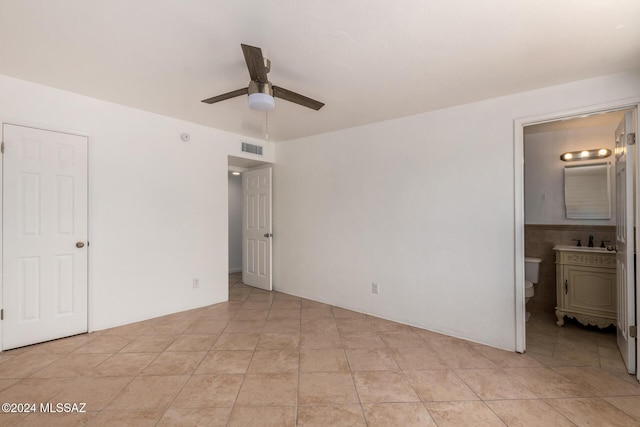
[266,125]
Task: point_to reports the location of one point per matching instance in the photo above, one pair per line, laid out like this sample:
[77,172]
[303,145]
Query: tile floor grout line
[352,372]
[494,413]
[297,406]
[244,377]
[422,402]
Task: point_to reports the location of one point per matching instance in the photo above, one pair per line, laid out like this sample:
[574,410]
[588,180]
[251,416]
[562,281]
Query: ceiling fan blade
[255,63]
[287,95]
[226,96]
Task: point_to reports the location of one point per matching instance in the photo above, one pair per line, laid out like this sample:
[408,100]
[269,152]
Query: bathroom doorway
[541,224]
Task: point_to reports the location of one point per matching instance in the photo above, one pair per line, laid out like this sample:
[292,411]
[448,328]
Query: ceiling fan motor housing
[258,87]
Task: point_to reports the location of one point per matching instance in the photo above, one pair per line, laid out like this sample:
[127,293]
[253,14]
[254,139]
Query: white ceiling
[367,60]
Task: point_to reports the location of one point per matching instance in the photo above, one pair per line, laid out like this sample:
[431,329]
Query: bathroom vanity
[586,285]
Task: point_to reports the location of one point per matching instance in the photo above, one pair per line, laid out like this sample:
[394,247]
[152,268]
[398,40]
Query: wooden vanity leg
[560,316]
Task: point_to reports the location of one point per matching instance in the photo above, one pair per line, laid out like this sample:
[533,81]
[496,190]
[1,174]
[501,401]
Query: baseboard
[401,321]
[235,270]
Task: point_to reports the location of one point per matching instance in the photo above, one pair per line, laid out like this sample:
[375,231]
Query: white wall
[544,172]
[422,205]
[235,223]
[157,205]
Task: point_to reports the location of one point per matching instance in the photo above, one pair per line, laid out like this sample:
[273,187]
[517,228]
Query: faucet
[591,241]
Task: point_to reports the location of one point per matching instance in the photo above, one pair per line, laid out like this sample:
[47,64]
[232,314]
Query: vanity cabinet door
[590,290]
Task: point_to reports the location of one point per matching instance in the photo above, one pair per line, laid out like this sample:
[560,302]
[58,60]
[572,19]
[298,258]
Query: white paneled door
[625,270]
[256,231]
[44,240]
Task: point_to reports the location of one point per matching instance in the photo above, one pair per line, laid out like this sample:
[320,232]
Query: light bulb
[261,102]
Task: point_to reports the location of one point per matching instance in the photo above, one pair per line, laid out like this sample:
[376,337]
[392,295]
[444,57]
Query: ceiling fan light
[261,101]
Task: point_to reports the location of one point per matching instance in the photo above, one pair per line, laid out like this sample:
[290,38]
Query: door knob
[80,245]
[268,234]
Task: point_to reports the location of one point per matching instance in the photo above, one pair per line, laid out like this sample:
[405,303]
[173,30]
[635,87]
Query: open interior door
[256,229]
[625,256]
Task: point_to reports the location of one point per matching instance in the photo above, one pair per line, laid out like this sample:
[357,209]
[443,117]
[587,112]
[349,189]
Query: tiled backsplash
[539,240]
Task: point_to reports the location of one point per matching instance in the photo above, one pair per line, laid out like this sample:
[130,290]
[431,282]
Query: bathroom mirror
[587,191]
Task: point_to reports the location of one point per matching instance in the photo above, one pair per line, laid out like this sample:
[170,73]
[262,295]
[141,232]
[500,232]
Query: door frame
[51,128]
[518,167]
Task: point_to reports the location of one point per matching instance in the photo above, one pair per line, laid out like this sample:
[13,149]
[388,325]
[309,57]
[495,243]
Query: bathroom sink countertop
[581,249]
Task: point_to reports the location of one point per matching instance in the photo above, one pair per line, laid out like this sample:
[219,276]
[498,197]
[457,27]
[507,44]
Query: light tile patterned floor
[573,344]
[271,359]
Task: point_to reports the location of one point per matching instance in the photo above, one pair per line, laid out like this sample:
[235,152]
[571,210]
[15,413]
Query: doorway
[250,231]
[539,226]
[235,221]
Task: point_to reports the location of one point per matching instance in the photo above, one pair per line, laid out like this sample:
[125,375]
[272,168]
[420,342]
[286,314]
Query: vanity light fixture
[598,153]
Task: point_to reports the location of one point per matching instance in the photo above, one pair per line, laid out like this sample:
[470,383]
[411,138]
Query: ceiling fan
[261,92]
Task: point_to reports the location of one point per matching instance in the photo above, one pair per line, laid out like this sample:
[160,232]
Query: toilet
[531,271]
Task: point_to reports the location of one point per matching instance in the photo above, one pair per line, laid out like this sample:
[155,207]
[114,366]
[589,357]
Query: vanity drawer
[603,260]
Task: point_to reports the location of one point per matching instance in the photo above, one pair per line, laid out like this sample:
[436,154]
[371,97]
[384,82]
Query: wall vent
[252,148]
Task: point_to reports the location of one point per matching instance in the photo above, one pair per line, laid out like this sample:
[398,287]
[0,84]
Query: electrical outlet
[196,283]
[374,288]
